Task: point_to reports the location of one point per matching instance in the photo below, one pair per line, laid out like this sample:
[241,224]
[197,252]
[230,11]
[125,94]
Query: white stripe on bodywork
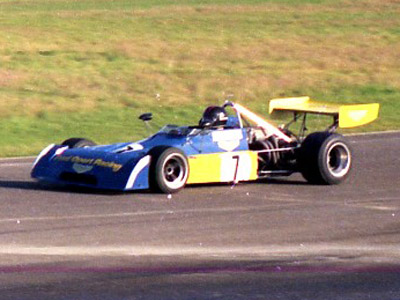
[144,162]
[43,153]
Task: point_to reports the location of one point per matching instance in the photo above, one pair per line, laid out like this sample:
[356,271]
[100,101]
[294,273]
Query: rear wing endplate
[348,116]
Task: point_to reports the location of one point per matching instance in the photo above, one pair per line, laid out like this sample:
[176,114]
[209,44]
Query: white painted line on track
[12,165]
[373,133]
[16,158]
[376,207]
[146,213]
[78,217]
[214,251]
[276,203]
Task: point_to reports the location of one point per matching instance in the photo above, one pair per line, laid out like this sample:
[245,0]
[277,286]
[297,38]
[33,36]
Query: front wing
[118,173]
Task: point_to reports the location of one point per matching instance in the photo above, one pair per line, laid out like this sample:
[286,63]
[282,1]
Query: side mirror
[146,117]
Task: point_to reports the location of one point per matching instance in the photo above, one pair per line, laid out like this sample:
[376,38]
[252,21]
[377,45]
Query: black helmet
[213,116]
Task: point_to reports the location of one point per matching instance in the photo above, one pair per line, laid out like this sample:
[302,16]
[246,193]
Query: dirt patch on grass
[10,78]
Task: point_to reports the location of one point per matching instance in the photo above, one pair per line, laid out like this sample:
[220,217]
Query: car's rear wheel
[325,158]
[169,169]
[78,143]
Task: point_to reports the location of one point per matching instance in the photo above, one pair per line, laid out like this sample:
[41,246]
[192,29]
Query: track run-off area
[280,238]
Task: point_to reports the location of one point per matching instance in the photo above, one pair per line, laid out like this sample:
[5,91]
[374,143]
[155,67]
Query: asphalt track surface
[276,239]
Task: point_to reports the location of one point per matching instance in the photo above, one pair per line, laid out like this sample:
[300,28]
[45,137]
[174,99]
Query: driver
[213,116]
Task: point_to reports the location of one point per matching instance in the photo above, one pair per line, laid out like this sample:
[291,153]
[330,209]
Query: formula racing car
[229,144]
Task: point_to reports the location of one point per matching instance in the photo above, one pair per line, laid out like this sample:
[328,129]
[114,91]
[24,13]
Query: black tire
[325,158]
[78,143]
[169,170]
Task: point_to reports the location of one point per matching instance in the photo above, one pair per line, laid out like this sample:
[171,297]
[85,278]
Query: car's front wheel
[78,143]
[169,169]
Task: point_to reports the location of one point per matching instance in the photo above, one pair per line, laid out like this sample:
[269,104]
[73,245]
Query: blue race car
[239,146]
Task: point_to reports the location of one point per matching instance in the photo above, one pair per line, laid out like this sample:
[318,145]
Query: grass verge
[89,68]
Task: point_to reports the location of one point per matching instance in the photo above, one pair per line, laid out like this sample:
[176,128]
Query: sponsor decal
[228,145]
[79,168]
[227,135]
[97,162]
[228,140]
[358,115]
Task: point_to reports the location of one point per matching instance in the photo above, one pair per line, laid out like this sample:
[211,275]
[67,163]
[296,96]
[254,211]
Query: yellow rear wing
[348,116]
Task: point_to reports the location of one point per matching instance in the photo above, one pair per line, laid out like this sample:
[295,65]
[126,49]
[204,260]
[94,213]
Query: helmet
[213,116]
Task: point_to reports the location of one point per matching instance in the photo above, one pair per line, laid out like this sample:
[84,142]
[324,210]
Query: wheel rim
[175,171]
[339,159]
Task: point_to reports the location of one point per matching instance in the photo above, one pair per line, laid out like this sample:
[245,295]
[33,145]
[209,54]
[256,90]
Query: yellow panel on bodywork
[223,167]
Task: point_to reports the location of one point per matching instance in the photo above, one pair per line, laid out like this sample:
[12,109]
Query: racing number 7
[236,157]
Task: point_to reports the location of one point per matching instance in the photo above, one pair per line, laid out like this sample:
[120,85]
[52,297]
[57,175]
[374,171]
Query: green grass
[90,67]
